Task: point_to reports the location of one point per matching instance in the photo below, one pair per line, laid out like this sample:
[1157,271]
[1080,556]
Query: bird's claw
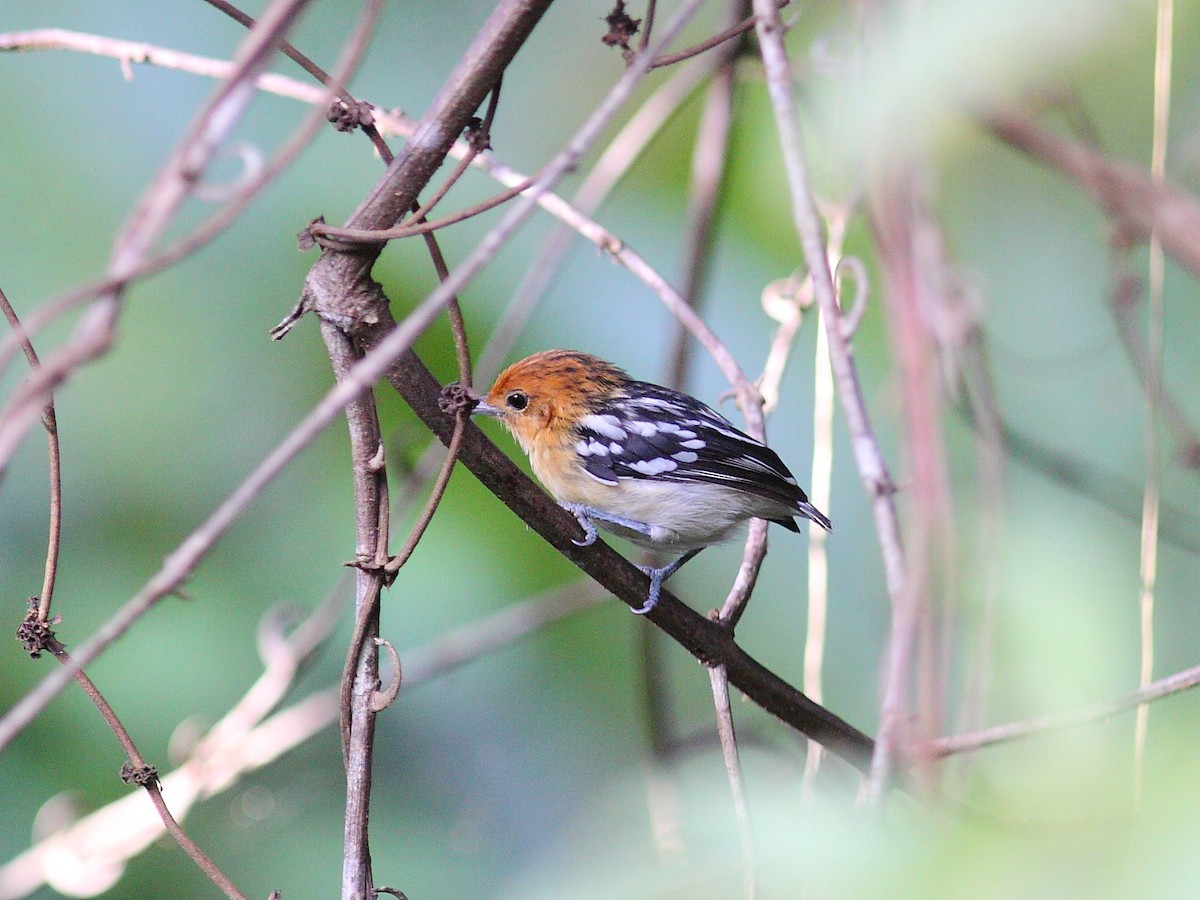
[589,530]
[656,580]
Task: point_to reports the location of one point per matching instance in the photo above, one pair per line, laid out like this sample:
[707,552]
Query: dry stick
[733,771]
[345,238]
[616,160]
[1148,562]
[156,209]
[709,155]
[179,565]
[40,617]
[716,40]
[914,265]
[50,423]
[1156,690]
[358,728]
[1132,199]
[867,454]
[246,739]
[138,772]
[821,482]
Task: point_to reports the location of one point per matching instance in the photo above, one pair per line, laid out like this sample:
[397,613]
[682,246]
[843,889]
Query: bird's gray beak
[483,408]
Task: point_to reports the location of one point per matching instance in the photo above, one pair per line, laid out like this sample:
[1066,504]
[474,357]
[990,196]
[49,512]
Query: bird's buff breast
[682,516]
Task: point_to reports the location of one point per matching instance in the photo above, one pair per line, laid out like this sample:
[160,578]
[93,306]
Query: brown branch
[1156,690]
[54,452]
[179,564]
[358,715]
[156,209]
[719,680]
[1136,203]
[872,468]
[734,31]
[136,770]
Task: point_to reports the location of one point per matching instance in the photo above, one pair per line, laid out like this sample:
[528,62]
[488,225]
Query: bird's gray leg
[585,515]
[658,576]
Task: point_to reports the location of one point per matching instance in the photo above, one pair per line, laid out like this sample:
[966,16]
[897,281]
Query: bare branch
[155,210]
[54,451]
[998,734]
[1136,203]
[868,456]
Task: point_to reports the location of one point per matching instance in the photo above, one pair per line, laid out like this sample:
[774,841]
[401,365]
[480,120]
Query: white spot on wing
[655,466]
[692,445]
[685,456]
[607,425]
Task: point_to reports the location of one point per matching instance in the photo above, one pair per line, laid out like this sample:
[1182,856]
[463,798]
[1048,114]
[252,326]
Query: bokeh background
[527,772]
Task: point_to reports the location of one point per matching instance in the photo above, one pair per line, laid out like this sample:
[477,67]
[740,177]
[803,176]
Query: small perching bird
[650,464]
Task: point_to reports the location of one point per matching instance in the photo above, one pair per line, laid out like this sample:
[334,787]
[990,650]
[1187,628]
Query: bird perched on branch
[650,464]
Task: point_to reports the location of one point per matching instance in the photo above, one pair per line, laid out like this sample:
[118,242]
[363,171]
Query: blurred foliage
[528,773]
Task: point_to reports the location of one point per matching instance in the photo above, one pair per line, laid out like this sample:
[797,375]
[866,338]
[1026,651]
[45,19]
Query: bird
[650,464]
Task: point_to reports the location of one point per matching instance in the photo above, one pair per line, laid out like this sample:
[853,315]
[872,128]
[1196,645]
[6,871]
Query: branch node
[307,239]
[621,29]
[35,634]
[456,397]
[346,116]
[377,463]
[381,700]
[138,775]
[479,137]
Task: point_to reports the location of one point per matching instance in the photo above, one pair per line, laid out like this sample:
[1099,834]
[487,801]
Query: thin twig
[719,680]
[867,454]
[916,301]
[144,775]
[156,209]
[343,238]
[54,452]
[821,482]
[1148,554]
[716,40]
[611,167]
[179,565]
[1011,731]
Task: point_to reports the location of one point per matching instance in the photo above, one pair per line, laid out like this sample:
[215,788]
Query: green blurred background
[527,773]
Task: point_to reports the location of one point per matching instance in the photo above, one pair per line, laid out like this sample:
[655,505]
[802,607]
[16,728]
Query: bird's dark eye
[517,400]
